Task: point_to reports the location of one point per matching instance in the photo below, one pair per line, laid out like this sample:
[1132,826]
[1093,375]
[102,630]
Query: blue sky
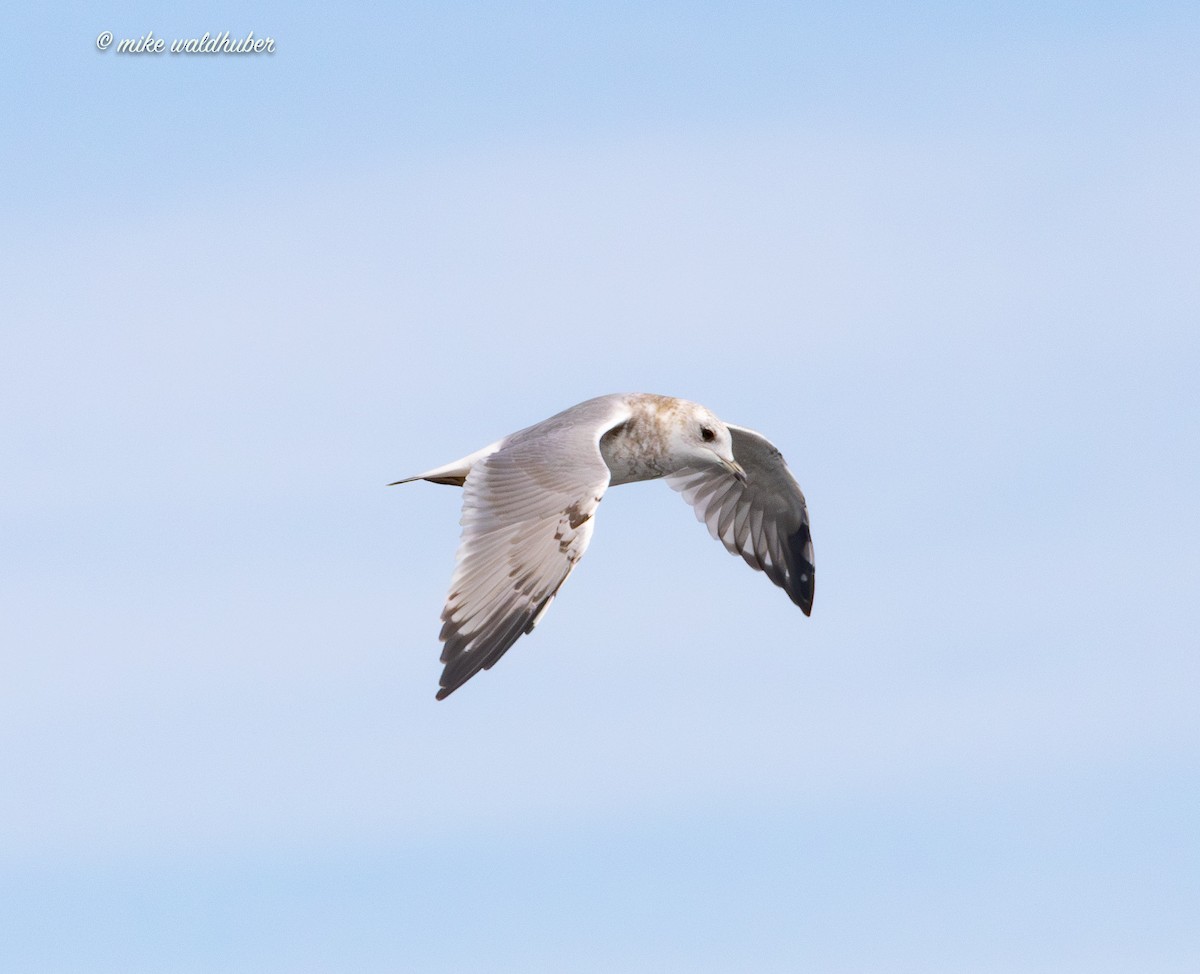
[944,257]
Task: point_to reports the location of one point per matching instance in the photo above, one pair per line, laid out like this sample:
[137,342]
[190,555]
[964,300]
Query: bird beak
[734,468]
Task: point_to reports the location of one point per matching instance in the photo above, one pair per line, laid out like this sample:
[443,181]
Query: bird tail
[453,473]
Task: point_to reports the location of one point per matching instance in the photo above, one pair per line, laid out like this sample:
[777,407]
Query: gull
[529,500]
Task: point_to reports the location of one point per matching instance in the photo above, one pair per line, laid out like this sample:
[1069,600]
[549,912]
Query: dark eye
[706,434]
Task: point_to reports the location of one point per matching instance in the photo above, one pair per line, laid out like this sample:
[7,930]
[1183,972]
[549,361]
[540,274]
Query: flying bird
[529,500]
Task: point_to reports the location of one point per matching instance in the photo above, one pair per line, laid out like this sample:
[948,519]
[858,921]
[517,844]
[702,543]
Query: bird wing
[526,521]
[765,519]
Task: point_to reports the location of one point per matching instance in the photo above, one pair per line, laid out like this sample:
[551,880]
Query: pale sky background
[945,256]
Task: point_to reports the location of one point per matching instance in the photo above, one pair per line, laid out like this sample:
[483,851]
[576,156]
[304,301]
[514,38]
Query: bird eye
[706,434]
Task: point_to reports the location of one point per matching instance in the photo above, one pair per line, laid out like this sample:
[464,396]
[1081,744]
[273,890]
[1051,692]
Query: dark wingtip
[801,571]
[444,692]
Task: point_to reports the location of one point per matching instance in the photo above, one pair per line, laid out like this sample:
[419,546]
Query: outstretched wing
[526,519]
[765,519]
